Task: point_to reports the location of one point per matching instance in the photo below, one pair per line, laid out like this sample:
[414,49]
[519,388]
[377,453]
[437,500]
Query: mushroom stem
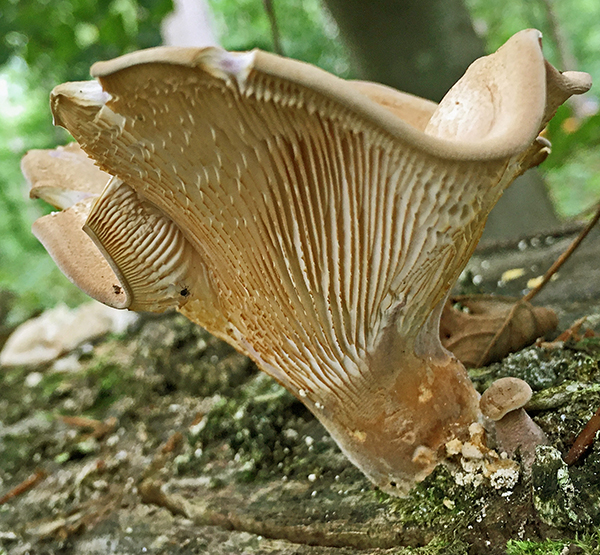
[396,431]
[516,431]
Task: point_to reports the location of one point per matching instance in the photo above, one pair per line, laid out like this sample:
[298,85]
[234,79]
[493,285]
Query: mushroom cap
[504,396]
[63,176]
[315,224]
[321,213]
[77,256]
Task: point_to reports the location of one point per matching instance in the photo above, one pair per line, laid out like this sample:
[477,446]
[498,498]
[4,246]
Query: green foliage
[26,123]
[60,38]
[500,20]
[573,169]
[43,43]
[307,31]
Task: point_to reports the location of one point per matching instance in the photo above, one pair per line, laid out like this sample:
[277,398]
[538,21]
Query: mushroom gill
[313,223]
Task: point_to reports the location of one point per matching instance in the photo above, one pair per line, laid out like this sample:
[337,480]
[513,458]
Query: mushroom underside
[298,217]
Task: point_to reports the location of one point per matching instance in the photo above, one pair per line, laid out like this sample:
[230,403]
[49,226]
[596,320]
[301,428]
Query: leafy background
[46,42]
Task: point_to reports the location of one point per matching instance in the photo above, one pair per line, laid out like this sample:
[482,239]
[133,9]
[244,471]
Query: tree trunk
[421,47]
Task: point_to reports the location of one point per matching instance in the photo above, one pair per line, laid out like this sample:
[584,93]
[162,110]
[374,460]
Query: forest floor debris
[154,435]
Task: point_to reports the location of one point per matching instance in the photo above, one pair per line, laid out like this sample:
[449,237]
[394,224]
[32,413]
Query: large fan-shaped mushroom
[313,223]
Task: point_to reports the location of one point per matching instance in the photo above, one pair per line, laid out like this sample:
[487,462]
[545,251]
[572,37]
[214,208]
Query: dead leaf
[480,329]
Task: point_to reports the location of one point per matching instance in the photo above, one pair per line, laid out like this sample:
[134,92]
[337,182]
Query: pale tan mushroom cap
[317,215]
[313,223]
[504,396]
[63,176]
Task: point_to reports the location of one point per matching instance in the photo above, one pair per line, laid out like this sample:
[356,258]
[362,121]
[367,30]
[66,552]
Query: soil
[166,441]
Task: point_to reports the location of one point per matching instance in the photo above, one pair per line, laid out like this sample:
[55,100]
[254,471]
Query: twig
[162,455]
[572,332]
[270,9]
[151,493]
[21,488]
[584,439]
[494,340]
[172,444]
[547,277]
[564,256]
[98,427]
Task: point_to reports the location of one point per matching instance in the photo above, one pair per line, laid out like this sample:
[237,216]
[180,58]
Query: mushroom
[503,403]
[63,176]
[313,223]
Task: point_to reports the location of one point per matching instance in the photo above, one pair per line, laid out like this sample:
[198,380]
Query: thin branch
[99,428]
[564,256]
[25,485]
[547,277]
[270,9]
[584,440]
[492,343]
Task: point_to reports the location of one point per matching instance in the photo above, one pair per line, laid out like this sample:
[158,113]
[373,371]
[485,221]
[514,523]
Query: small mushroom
[503,403]
[313,223]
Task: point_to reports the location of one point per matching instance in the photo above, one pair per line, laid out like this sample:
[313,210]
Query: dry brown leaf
[480,329]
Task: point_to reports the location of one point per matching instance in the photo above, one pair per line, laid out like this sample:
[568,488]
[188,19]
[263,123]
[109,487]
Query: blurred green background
[46,42]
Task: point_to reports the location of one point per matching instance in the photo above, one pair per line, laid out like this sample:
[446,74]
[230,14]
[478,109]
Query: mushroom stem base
[397,432]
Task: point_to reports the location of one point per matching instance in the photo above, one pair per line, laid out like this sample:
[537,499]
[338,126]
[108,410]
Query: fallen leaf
[514,273]
[480,329]
[60,330]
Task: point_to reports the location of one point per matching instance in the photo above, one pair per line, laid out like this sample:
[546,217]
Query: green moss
[50,386]
[542,368]
[265,430]
[111,382]
[15,452]
[437,546]
[254,437]
[437,502]
[584,545]
[548,547]
[185,357]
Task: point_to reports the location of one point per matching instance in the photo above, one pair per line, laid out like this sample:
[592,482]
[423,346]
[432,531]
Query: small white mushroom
[315,224]
[503,403]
